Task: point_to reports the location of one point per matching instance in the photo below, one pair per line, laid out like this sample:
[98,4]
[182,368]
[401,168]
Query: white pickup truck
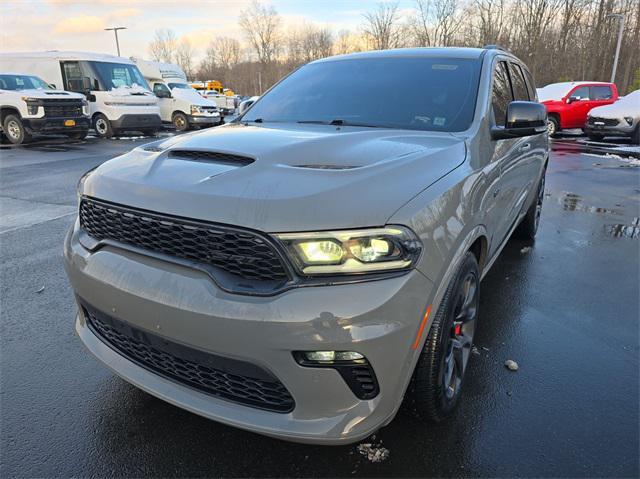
[28,105]
[226,104]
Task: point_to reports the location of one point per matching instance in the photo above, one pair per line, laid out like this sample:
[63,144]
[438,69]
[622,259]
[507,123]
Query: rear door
[600,95]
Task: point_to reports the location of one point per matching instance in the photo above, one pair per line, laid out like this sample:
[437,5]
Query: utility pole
[115,30]
[620,17]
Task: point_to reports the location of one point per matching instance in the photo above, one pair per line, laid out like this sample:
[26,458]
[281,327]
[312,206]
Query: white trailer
[180,104]
[118,95]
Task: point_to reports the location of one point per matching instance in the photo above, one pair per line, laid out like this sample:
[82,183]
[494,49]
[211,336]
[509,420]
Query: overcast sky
[30,25]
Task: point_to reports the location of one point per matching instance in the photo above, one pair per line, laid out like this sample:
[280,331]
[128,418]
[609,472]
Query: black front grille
[229,379]
[243,254]
[66,108]
[210,157]
[606,121]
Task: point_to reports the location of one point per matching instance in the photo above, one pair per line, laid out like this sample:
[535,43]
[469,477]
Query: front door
[165,101]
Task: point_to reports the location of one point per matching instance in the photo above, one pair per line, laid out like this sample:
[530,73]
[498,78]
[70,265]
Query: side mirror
[163,94]
[91,97]
[571,99]
[524,118]
[244,106]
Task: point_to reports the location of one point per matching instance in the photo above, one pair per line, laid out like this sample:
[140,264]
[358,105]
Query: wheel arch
[8,110]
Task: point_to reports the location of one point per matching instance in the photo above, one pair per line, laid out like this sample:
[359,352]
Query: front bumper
[56,125]
[203,120]
[137,121]
[379,319]
[621,129]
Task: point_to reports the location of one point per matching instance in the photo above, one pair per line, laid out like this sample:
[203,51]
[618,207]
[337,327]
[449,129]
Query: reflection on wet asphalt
[566,310]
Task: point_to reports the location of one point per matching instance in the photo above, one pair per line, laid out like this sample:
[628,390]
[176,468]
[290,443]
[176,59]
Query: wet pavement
[567,310]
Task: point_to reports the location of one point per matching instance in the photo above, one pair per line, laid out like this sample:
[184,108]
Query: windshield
[182,86]
[116,75]
[417,93]
[22,82]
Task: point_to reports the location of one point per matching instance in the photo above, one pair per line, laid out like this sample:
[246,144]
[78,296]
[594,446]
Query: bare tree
[382,26]
[226,51]
[184,57]
[163,46]
[261,25]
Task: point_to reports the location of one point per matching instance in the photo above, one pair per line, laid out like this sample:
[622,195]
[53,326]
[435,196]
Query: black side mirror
[163,94]
[524,118]
[91,97]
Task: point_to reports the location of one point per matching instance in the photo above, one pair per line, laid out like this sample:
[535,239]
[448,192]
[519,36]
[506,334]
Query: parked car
[297,271]
[226,104]
[118,96]
[180,104]
[28,105]
[621,118]
[569,103]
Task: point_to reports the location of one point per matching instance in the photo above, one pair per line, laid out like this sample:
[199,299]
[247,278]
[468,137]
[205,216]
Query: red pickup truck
[568,103]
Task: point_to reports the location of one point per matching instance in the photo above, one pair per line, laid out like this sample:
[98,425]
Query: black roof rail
[496,47]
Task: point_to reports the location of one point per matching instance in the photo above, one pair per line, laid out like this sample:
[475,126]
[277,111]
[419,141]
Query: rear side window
[501,93]
[601,92]
[520,91]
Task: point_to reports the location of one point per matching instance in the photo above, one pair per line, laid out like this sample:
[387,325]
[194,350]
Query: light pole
[115,30]
[620,17]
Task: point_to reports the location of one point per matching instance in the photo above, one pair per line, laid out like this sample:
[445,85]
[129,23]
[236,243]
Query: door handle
[525,147]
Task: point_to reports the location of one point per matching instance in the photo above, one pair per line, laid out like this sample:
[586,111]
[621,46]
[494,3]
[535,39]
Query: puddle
[573,202]
[624,231]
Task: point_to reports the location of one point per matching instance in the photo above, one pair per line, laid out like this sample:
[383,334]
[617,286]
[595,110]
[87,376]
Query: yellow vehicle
[212,85]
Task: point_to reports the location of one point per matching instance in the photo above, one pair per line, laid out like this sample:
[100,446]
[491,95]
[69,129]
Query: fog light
[629,120]
[325,356]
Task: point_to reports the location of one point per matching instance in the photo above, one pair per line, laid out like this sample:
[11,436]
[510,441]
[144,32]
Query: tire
[635,137]
[103,127]
[553,126]
[79,135]
[15,131]
[180,121]
[439,375]
[595,137]
[528,228]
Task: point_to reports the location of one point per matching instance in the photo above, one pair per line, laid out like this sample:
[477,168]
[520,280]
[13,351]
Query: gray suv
[301,271]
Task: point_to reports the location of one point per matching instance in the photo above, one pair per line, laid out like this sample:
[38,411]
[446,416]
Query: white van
[119,97]
[180,104]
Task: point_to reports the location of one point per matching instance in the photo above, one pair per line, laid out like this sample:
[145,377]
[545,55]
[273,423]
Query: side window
[581,93]
[160,88]
[501,93]
[72,75]
[520,91]
[531,85]
[601,92]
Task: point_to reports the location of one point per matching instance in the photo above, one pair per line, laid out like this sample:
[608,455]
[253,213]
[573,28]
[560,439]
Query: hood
[627,106]
[191,96]
[291,178]
[43,94]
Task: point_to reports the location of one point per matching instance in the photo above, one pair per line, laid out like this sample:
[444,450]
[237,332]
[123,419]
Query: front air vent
[211,157]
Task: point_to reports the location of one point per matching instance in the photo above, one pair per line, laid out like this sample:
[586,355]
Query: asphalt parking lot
[566,308]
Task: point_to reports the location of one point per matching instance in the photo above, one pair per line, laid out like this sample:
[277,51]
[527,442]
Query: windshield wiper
[340,122]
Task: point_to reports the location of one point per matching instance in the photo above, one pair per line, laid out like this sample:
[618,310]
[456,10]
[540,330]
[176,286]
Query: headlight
[32,109]
[629,120]
[195,109]
[81,182]
[353,251]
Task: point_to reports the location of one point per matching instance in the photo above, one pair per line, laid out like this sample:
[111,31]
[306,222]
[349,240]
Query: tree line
[560,40]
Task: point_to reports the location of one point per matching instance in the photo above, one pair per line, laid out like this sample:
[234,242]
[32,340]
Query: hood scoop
[210,157]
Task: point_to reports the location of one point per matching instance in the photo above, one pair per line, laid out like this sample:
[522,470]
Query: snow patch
[374,453]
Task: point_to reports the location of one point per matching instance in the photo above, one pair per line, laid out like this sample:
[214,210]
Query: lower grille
[606,121]
[225,378]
